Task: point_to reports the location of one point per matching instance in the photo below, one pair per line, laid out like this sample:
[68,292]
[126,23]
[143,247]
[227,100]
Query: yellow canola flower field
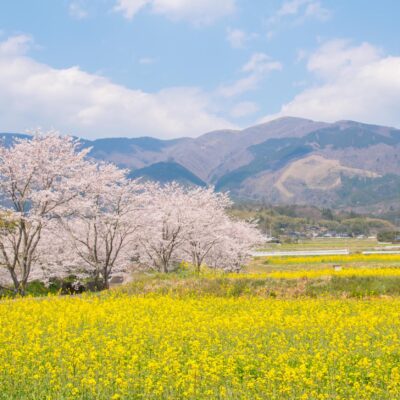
[348,258]
[318,273]
[116,346]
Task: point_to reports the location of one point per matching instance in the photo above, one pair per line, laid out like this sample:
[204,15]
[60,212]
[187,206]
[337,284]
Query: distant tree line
[284,219]
[389,236]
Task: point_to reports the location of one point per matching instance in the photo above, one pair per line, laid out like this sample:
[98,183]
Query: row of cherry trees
[64,213]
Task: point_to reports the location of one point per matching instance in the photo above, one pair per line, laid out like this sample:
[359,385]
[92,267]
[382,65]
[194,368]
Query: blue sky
[170,68]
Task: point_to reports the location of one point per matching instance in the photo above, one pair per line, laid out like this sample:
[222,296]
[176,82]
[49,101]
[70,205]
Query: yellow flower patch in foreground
[124,347]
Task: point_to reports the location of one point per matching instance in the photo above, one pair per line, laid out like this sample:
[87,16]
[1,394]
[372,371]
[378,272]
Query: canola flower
[116,346]
[348,258]
[317,273]
[348,272]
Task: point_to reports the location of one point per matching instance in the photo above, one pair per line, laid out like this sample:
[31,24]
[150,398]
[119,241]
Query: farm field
[355,258]
[284,331]
[354,245]
[306,262]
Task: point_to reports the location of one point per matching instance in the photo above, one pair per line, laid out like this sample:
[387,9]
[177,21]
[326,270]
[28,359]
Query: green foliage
[305,219]
[389,236]
[327,214]
[355,286]
[37,288]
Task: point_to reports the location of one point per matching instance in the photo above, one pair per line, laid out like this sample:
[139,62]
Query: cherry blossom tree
[166,226]
[192,224]
[55,256]
[234,250]
[104,230]
[206,222]
[39,180]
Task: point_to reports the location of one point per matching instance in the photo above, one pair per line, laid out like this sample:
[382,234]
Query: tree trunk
[22,288]
[197,263]
[106,280]
[15,280]
[19,286]
[165,267]
[98,284]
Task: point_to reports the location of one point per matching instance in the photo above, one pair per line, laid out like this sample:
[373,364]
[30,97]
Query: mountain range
[289,160]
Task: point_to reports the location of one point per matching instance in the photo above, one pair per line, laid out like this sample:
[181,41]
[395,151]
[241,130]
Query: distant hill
[285,161]
[165,172]
[130,152]
[7,139]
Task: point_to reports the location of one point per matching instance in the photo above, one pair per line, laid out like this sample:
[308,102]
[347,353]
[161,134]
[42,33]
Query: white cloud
[307,8]
[244,109]
[130,7]
[338,57]
[15,45]
[257,68]
[261,63]
[295,12]
[77,10]
[351,82]
[291,7]
[76,102]
[195,11]
[315,10]
[238,38]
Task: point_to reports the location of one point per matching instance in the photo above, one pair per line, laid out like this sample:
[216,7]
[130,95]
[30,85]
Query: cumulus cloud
[350,82]
[339,57]
[15,45]
[195,11]
[256,69]
[76,102]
